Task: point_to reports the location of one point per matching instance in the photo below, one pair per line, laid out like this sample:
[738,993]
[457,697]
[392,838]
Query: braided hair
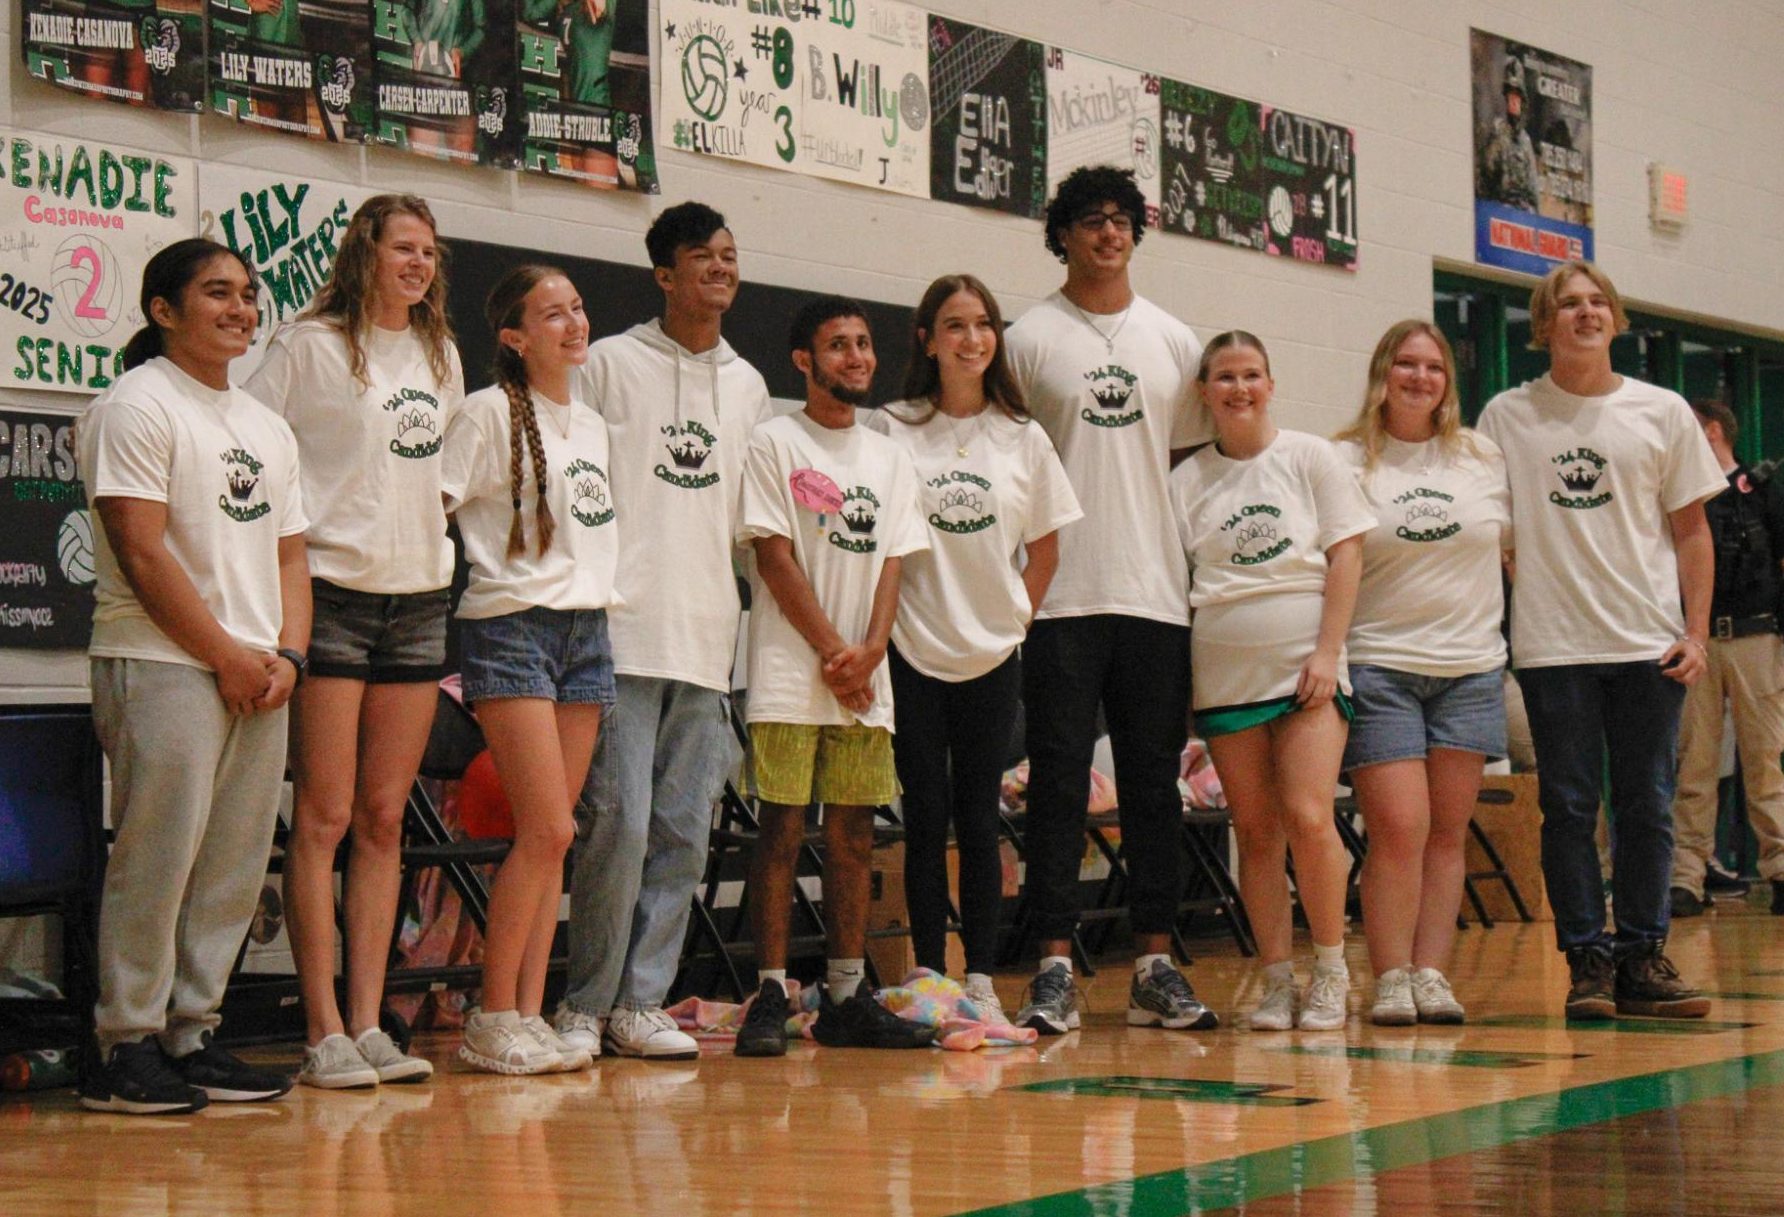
[505,309]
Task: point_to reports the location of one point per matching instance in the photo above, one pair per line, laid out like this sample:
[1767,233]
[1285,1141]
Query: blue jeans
[1577,711]
[642,825]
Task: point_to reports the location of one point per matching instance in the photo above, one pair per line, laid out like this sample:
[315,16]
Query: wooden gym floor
[1514,1113]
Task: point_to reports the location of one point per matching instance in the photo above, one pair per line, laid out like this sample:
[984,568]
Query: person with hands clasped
[994,493]
[832,511]
[526,477]
[1272,522]
[202,617]
[1609,620]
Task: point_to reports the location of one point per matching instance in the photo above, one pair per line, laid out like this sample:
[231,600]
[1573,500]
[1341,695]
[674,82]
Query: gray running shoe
[1052,1002]
[1163,998]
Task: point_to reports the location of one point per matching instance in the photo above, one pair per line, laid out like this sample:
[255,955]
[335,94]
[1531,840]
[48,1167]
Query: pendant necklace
[1108,338]
[960,445]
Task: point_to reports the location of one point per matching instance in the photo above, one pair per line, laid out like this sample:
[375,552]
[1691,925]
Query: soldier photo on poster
[134,51]
[585,86]
[445,72]
[300,68]
[988,92]
[1532,155]
[47,568]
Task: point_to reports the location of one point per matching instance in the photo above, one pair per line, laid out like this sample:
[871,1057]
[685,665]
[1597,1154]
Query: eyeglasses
[1093,221]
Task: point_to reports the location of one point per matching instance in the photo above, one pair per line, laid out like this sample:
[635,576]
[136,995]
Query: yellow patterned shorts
[800,763]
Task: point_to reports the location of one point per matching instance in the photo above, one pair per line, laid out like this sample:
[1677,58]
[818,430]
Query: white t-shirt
[962,607]
[577,570]
[841,554]
[1592,482]
[1114,416]
[227,469]
[679,425]
[371,456]
[1431,597]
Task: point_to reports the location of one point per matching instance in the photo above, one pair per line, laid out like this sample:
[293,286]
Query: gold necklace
[960,446]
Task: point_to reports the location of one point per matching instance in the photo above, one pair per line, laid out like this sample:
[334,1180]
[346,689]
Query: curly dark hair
[1090,187]
[681,225]
[814,313]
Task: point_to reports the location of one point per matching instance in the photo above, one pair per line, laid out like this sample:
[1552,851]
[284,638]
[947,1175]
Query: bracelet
[1701,648]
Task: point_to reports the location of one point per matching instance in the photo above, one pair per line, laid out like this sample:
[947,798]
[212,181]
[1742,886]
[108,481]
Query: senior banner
[78,222]
[134,51]
[46,534]
[446,79]
[585,86]
[989,94]
[838,89]
[304,69]
[1100,113]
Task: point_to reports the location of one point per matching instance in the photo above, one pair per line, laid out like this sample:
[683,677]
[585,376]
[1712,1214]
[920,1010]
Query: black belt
[1743,627]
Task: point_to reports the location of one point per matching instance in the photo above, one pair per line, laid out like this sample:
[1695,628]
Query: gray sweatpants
[195,793]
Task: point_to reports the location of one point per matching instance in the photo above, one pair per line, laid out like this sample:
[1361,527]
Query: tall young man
[1111,376]
[1746,664]
[831,509]
[680,405]
[1608,481]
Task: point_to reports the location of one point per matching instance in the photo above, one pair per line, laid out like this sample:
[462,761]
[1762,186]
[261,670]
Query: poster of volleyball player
[304,69]
[139,52]
[585,79]
[445,78]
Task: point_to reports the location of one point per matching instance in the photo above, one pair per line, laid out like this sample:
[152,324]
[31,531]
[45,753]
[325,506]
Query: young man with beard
[680,405]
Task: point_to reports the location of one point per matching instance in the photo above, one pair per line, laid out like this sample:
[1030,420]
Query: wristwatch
[297,659]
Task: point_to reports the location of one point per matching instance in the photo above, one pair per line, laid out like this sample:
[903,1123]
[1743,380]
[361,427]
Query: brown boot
[1591,995]
[1648,984]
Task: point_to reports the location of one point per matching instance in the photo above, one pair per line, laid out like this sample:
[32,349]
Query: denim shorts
[1402,716]
[561,655]
[377,638]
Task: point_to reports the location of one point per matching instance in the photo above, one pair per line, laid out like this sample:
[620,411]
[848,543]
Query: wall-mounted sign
[46,535]
[300,69]
[134,51]
[1668,197]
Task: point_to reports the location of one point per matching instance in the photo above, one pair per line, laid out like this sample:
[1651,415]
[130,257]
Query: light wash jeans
[642,825]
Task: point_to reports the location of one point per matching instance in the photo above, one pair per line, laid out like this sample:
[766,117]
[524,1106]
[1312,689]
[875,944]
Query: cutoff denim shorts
[1402,716]
[561,655]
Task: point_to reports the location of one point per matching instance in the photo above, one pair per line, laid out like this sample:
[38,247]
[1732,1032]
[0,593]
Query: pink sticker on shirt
[814,491]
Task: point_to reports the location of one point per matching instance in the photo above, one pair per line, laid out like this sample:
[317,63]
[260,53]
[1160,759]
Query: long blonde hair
[1369,430]
[346,299]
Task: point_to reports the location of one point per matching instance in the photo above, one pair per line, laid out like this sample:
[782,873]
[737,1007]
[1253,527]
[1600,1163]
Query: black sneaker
[764,1030]
[227,1079]
[1163,998]
[1686,903]
[861,1022]
[1592,994]
[138,1080]
[1719,882]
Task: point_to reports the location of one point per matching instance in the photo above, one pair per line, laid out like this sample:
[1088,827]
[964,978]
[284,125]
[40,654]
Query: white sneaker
[650,1034]
[1393,1000]
[570,1057]
[1325,1007]
[983,994]
[580,1030]
[500,1042]
[1277,1011]
[1432,996]
[335,1064]
[391,1062]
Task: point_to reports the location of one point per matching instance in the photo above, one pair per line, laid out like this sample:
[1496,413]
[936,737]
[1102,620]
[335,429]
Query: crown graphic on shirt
[589,488]
[1255,534]
[415,420]
[860,518]
[1580,478]
[689,454]
[241,485]
[1111,397]
[962,498]
[1426,511]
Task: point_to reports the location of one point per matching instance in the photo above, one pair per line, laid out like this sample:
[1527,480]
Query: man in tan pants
[1746,667]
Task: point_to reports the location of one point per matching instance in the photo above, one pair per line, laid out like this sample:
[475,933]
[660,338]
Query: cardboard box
[893,956]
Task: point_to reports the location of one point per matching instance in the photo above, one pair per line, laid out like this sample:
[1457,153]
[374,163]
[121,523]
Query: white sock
[777,975]
[1064,961]
[1143,963]
[843,976]
[1280,973]
[1330,958]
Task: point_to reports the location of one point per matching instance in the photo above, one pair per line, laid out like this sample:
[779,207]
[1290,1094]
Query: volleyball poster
[79,221]
[47,565]
[585,89]
[300,69]
[988,143]
[138,52]
[1100,113]
[445,73]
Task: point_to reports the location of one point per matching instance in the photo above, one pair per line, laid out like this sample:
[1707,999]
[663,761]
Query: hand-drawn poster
[134,51]
[1102,114]
[988,146]
[836,89]
[78,222]
[1212,166]
[46,535]
[287,228]
[1532,155]
[305,69]
[585,86]
[446,79]
[1310,188]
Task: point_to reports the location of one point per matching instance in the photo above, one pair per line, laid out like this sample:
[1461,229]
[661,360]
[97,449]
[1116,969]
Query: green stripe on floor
[1631,1026]
[1462,1058]
[1232,1182]
[1183,1090]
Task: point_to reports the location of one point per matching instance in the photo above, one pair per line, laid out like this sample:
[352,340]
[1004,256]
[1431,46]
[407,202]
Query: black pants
[952,746]
[1137,671]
